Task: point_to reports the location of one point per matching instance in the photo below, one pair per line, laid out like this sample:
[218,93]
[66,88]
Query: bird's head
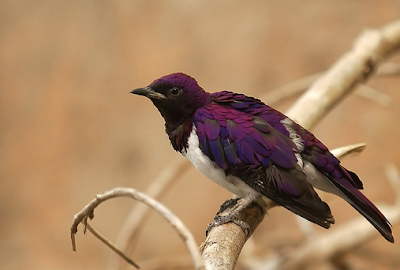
[176,96]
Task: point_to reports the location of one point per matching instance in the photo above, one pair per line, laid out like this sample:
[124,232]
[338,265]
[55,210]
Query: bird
[255,151]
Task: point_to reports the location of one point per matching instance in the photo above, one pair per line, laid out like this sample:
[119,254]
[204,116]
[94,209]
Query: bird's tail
[363,205]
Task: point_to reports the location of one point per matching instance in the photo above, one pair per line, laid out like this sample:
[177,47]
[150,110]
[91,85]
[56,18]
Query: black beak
[148,92]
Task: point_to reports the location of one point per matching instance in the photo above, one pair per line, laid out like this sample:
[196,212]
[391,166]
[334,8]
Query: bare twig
[289,90]
[393,175]
[176,223]
[110,245]
[348,150]
[374,95]
[139,213]
[389,69]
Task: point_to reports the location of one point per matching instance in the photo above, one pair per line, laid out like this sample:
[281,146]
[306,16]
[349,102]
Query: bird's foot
[229,212]
[227,204]
[231,217]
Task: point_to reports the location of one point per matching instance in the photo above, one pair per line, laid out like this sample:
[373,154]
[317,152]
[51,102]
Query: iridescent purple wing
[246,138]
[237,131]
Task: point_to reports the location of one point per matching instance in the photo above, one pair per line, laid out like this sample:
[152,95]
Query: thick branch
[224,243]
[354,67]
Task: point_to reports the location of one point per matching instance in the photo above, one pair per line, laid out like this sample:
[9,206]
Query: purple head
[176,96]
[180,80]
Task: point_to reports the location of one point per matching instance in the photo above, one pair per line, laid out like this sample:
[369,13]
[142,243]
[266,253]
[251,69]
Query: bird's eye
[175,91]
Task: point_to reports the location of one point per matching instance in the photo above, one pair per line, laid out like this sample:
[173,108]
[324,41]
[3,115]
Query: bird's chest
[211,170]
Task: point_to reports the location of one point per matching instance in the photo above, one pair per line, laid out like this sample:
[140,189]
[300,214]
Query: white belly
[212,171]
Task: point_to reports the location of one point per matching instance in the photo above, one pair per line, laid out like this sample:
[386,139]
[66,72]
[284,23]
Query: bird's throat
[179,134]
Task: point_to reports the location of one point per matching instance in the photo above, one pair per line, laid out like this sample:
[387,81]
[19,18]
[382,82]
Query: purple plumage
[252,149]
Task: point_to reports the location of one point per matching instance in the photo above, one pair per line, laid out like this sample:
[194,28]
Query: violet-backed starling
[253,150]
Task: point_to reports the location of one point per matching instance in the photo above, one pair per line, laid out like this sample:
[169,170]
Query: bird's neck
[179,123]
[179,134]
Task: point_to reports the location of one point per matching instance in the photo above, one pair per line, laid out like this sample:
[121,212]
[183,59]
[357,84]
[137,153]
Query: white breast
[212,171]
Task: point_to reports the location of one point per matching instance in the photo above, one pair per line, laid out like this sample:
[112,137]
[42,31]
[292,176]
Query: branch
[389,69]
[354,67]
[298,86]
[109,244]
[293,88]
[348,150]
[139,213]
[224,243]
[177,224]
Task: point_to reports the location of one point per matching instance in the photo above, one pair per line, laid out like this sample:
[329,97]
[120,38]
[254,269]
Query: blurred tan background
[69,128]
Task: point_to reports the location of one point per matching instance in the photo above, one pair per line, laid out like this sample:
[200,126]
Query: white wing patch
[288,123]
[298,141]
[314,177]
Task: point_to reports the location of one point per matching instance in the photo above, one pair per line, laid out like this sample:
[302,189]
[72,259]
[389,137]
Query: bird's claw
[220,220]
[231,216]
[227,204]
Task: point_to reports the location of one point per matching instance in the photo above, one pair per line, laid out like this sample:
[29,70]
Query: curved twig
[110,245]
[348,150]
[139,213]
[290,89]
[176,223]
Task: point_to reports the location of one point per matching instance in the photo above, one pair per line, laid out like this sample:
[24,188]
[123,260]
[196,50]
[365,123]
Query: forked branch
[176,223]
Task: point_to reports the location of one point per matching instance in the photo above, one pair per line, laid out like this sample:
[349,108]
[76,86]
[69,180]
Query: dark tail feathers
[363,205]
